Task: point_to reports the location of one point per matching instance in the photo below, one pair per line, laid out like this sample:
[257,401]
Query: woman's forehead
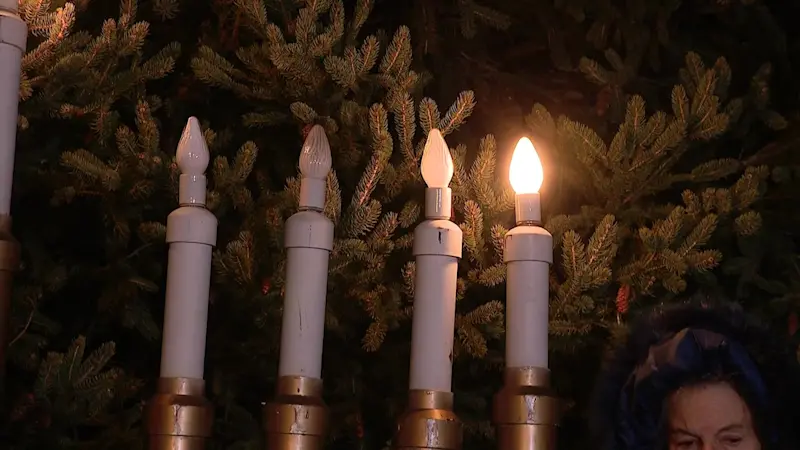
[708,407]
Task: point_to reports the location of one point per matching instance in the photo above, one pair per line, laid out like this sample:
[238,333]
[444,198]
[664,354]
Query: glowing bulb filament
[526,173]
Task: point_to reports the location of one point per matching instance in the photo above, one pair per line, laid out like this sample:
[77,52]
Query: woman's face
[710,417]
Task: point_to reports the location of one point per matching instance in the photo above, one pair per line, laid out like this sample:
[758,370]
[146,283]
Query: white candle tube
[191,234]
[434,313]
[437,249]
[528,255]
[13,36]
[527,314]
[309,239]
[186,314]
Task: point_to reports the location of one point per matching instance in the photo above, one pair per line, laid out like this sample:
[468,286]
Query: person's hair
[758,415]
[774,413]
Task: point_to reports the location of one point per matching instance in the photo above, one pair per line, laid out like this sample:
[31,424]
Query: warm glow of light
[526,173]
[437,163]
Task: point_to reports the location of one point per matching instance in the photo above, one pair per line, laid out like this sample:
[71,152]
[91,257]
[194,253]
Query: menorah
[179,417]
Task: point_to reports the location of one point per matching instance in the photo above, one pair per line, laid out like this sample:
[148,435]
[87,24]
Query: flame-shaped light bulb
[526,173]
[192,156]
[315,157]
[437,163]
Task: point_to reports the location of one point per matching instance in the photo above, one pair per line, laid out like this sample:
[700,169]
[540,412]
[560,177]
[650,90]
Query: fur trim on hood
[774,359]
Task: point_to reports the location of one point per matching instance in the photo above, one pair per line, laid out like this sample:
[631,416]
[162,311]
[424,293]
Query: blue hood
[671,347]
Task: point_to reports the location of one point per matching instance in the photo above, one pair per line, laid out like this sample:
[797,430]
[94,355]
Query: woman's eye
[685,445]
[731,441]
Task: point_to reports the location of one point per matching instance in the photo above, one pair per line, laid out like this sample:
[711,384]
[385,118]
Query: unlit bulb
[192,156]
[437,163]
[315,157]
[526,173]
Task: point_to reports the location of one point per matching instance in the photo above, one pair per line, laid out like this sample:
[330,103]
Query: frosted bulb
[437,163]
[315,158]
[192,156]
[526,173]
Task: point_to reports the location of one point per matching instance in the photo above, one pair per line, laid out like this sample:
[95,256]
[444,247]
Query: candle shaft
[434,321]
[303,327]
[13,42]
[528,255]
[527,313]
[186,314]
[309,241]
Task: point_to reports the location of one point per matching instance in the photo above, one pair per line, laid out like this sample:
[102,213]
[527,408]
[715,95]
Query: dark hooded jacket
[673,347]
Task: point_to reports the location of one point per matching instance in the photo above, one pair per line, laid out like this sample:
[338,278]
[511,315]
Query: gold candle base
[526,411]
[9,262]
[429,422]
[297,419]
[179,417]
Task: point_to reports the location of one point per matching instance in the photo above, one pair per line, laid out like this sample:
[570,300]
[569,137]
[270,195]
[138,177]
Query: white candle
[437,249]
[12,45]
[191,234]
[186,314]
[528,255]
[309,241]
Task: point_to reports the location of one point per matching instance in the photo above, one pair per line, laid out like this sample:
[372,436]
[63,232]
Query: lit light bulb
[437,163]
[192,156]
[315,157]
[526,173]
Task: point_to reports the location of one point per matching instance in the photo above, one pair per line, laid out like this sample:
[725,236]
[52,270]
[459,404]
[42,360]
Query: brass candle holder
[526,412]
[179,417]
[429,422]
[297,419]
[9,262]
